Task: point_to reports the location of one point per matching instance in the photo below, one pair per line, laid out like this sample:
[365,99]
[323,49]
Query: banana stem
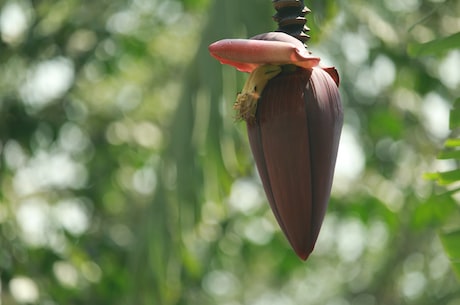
[291,19]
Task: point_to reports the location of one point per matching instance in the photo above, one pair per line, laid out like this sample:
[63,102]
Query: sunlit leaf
[452,143]
[431,176]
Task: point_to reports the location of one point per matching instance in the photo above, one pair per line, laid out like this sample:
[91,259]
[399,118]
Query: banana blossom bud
[294,118]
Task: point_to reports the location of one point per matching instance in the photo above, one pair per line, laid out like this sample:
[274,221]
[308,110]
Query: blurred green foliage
[450,230]
[125,180]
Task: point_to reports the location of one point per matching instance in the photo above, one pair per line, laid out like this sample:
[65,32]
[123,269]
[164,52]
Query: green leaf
[452,143]
[454,117]
[434,47]
[431,176]
[435,211]
[448,177]
[451,242]
[456,267]
[449,154]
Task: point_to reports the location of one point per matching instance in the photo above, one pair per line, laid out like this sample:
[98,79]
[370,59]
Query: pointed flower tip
[303,256]
[270,48]
[302,253]
[301,248]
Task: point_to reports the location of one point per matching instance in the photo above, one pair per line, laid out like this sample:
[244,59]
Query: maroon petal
[268,48]
[294,141]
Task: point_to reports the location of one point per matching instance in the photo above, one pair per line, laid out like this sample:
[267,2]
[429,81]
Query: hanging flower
[294,117]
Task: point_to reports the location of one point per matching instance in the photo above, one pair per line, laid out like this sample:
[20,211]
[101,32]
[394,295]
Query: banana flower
[294,118]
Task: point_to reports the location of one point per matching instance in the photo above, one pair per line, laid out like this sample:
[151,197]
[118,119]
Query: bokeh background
[124,178]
